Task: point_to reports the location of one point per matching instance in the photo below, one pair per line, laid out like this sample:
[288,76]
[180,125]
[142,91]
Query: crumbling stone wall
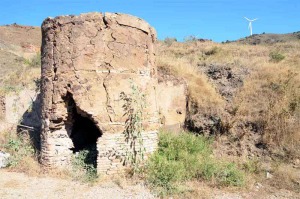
[88,62]
[172,101]
[19,108]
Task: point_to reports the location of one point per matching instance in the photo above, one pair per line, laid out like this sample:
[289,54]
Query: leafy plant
[185,157]
[226,174]
[83,168]
[276,57]
[134,106]
[19,147]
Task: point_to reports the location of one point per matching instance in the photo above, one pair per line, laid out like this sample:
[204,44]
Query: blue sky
[218,20]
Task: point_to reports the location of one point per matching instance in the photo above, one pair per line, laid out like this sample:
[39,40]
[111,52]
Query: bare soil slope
[22,36]
[19,45]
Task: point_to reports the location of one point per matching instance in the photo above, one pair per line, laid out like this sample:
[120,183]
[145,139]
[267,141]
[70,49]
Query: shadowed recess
[83,131]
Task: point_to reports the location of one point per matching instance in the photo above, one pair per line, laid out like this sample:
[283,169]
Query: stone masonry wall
[113,148]
[93,59]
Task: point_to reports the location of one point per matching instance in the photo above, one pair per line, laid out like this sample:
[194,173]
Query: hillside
[244,97]
[243,89]
[19,49]
[268,38]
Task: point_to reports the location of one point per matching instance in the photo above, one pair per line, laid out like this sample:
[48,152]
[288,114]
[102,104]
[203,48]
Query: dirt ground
[19,185]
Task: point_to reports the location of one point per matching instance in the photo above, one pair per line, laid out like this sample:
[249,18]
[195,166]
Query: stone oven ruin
[93,66]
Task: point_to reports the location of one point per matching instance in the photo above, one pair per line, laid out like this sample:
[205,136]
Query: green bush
[229,174]
[84,166]
[185,157]
[19,147]
[252,166]
[34,62]
[276,57]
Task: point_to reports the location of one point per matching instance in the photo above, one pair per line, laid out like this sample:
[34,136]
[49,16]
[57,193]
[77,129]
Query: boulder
[4,159]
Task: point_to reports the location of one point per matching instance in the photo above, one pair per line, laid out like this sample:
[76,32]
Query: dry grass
[18,72]
[201,92]
[284,176]
[270,97]
[12,184]
[18,79]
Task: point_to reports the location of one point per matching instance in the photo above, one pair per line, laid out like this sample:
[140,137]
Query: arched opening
[82,131]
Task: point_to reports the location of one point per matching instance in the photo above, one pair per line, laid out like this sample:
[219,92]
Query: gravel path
[18,185]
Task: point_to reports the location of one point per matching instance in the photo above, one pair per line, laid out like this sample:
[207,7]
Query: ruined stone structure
[93,66]
[19,108]
[172,101]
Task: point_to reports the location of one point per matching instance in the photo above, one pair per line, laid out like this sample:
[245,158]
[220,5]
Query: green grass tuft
[83,166]
[18,147]
[34,62]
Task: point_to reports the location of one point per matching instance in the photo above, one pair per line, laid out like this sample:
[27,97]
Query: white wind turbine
[250,24]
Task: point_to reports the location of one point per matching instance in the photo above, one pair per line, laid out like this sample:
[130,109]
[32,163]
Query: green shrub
[84,166]
[18,147]
[229,174]
[252,166]
[276,57]
[163,173]
[221,173]
[185,157]
[34,62]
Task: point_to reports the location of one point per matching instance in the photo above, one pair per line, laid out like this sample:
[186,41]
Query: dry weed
[200,90]
[270,97]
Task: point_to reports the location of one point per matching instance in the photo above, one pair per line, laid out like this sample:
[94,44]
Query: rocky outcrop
[95,67]
[4,159]
[226,78]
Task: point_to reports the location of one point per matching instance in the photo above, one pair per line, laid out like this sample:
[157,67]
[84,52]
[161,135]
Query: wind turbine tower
[250,24]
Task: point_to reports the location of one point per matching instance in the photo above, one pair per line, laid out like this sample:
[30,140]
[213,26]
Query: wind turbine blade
[247,18]
[254,19]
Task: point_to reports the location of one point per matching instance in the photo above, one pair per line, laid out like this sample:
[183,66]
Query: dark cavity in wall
[83,131]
